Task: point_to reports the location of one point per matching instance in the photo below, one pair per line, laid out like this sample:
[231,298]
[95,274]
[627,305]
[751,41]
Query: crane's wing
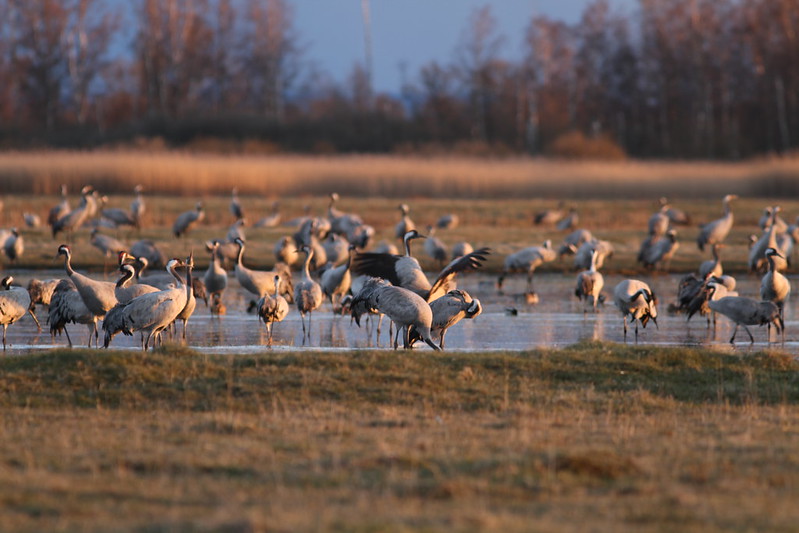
[465,263]
[376,265]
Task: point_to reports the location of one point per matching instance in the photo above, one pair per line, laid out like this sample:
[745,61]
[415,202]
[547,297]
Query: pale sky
[413,32]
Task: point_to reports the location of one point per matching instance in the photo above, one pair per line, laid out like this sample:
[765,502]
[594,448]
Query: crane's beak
[655,321]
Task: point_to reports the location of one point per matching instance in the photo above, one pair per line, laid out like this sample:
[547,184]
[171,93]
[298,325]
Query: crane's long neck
[238,256]
[189,285]
[127,275]
[277,287]
[592,268]
[68,263]
[306,268]
[171,269]
[771,265]
[727,208]
[407,247]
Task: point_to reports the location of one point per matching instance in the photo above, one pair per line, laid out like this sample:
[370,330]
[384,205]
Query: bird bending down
[272,308]
[635,299]
[448,311]
[405,271]
[405,308]
[307,293]
[527,260]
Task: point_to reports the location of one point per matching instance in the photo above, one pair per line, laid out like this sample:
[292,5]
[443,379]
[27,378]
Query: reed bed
[189,174]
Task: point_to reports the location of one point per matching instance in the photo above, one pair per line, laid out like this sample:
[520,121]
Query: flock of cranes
[336,267]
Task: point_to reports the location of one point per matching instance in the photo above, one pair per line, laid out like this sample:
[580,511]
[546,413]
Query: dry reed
[183,173]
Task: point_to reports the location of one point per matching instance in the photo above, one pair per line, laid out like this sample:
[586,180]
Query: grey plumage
[14,245]
[60,209]
[286,250]
[215,277]
[76,217]
[527,260]
[188,219]
[125,290]
[582,258]
[712,266]
[661,251]
[717,230]
[341,222]
[573,241]
[745,312]
[260,282]
[448,221]
[235,205]
[336,280]
[67,307]
[775,287]
[405,308]
[106,244]
[589,284]
[307,293]
[272,308]
[98,296]
[405,224]
[459,249]
[148,249]
[14,303]
[447,311]
[568,222]
[137,206]
[635,299]
[434,247]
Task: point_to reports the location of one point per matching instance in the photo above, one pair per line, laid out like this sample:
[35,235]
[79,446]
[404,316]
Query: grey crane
[636,300]
[41,290]
[191,300]
[341,222]
[260,282]
[549,216]
[704,295]
[459,249]
[775,287]
[527,260]
[148,249]
[717,230]
[187,219]
[137,206]
[107,245]
[307,293]
[286,250]
[405,308]
[215,277]
[236,231]
[757,252]
[770,219]
[14,245]
[361,236]
[448,221]
[152,313]
[76,217]
[582,257]
[272,219]
[661,251]
[435,248]
[235,205]
[448,310]
[677,217]
[589,284]
[659,222]
[712,266]
[60,209]
[117,216]
[67,307]
[32,220]
[336,249]
[405,224]
[405,271]
[573,241]
[568,222]
[337,280]
[125,290]
[15,302]
[745,312]
[98,296]
[272,308]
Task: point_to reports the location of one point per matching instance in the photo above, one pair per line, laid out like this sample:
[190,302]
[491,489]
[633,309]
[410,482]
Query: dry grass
[597,437]
[191,174]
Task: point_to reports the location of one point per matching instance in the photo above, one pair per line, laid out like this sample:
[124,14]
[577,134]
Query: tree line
[673,78]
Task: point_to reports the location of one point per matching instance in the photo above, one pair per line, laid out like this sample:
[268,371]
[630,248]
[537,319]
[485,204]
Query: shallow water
[556,321]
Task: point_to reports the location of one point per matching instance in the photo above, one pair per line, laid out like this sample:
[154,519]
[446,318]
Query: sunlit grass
[597,435]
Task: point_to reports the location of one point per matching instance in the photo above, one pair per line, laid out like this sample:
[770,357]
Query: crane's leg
[443,334]
[5,326]
[185,325]
[269,332]
[636,331]
[33,316]
[751,338]
[734,331]
[302,316]
[396,339]
[529,281]
[625,327]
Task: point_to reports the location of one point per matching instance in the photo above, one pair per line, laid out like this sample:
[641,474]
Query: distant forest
[709,79]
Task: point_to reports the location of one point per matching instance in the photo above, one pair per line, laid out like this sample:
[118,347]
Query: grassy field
[596,436]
